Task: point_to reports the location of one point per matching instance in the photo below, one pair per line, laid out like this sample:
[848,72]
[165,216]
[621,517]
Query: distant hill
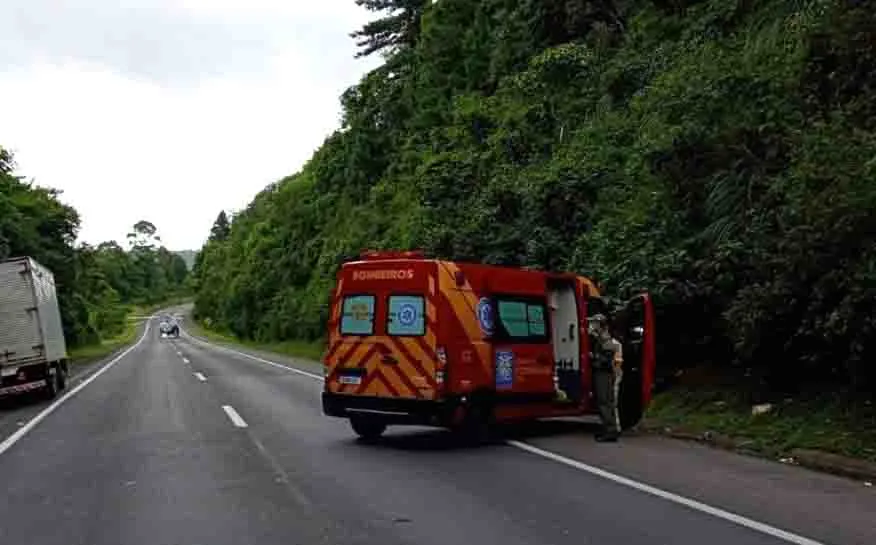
[188,256]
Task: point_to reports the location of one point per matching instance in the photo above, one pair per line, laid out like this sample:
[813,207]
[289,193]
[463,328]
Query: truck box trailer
[33,353]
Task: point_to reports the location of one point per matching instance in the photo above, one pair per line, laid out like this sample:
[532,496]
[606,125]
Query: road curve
[182,442]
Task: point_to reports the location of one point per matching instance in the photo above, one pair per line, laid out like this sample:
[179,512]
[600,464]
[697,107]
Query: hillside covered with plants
[97,285]
[718,153]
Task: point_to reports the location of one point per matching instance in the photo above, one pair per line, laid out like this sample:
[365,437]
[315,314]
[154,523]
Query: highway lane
[144,454]
[16,411]
[179,442]
[823,507]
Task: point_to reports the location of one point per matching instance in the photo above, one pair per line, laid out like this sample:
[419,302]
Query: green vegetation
[88,353]
[188,257]
[308,350]
[824,422]
[97,286]
[717,153]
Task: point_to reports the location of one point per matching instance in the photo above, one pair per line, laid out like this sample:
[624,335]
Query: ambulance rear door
[383,329]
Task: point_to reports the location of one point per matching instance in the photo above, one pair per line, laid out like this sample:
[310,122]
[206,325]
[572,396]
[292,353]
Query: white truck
[33,354]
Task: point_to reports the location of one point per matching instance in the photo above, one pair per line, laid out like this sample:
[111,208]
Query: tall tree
[143,234]
[221,227]
[399,28]
[7,162]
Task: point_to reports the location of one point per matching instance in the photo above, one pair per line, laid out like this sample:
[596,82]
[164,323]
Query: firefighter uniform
[607,358]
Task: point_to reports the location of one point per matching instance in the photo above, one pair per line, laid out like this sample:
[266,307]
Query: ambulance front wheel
[368,428]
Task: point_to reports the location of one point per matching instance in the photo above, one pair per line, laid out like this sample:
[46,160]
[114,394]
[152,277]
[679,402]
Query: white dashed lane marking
[236,419]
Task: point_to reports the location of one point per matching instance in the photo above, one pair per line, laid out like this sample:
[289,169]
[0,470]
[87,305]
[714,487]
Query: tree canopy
[397,29]
[718,154]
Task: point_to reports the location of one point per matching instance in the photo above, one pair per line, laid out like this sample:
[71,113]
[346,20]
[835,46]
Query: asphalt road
[181,442]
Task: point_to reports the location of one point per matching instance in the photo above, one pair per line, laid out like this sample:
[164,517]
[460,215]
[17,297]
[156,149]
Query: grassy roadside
[86,354]
[296,349]
[821,422]
[151,309]
[82,355]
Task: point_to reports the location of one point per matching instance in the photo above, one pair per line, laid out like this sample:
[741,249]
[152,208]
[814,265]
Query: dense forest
[97,285]
[718,153]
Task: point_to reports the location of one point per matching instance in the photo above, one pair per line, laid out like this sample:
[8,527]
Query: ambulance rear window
[357,315]
[406,317]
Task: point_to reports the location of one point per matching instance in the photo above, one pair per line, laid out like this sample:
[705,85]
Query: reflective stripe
[18,388]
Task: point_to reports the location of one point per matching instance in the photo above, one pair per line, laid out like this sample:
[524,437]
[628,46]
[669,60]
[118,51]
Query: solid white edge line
[200,377]
[22,431]
[235,418]
[675,498]
[256,358]
[641,487]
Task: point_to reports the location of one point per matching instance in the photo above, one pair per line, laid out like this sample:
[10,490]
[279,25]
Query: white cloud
[228,100]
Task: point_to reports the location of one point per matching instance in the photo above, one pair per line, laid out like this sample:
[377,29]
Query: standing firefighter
[607,358]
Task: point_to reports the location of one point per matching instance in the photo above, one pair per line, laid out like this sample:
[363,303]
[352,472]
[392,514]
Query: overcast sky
[170,110]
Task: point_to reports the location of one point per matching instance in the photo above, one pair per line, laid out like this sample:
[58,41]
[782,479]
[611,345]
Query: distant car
[169,328]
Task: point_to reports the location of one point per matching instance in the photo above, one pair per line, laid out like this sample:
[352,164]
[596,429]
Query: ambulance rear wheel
[478,425]
[368,428]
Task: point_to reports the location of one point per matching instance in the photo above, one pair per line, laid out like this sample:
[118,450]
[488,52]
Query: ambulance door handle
[388,359]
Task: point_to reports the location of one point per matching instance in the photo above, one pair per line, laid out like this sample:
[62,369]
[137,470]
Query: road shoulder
[302,364]
[17,411]
[814,503]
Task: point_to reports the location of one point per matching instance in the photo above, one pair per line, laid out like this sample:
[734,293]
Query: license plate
[9,371]
[349,380]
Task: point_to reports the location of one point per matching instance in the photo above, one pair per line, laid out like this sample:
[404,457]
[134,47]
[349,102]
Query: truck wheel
[367,428]
[61,372]
[53,385]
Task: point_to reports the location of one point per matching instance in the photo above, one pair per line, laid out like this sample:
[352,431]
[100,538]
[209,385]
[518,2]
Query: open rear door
[634,327]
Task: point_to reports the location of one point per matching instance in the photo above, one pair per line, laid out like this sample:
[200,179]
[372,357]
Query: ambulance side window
[357,315]
[406,316]
[522,320]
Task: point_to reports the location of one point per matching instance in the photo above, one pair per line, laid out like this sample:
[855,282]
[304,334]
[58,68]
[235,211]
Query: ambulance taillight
[441,365]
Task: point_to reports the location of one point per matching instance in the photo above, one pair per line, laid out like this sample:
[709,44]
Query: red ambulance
[423,341]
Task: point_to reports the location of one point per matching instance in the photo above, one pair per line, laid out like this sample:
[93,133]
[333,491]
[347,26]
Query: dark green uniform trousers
[606,384]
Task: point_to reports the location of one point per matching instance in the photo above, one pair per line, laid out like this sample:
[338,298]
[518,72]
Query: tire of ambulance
[478,425]
[369,429]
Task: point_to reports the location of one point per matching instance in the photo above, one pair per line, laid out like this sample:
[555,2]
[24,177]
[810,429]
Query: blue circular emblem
[485,315]
[407,315]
